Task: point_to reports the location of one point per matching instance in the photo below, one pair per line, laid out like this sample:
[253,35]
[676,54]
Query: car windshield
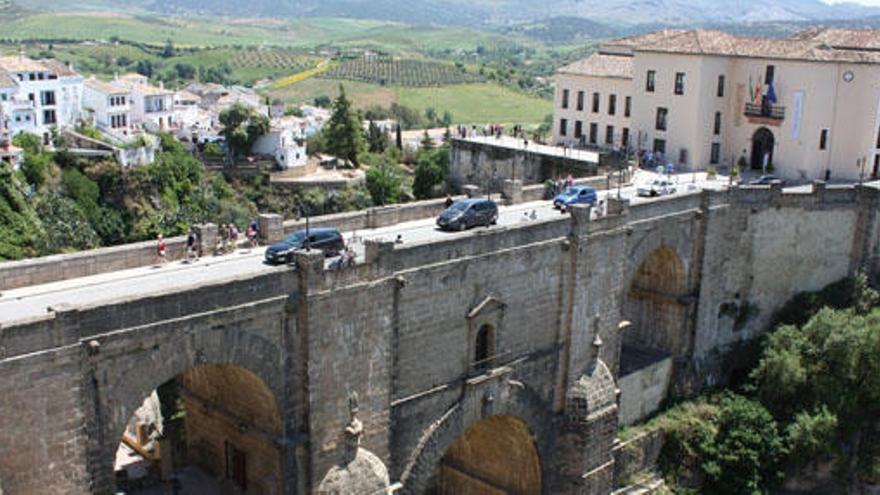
[571,191]
[458,206]
[295,238]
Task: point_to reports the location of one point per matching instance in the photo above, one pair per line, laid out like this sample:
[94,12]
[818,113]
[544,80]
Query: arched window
[483,347]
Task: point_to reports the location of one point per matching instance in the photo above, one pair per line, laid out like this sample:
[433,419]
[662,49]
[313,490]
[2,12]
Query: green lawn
[478,103]
[468,103]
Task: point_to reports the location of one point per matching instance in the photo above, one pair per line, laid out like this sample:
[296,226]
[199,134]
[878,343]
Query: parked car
[766,180]
[658,187]
[467,213]
[575,195]
[327,239]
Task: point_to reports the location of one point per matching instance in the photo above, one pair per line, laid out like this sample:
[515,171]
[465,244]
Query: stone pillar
[375,251]
[471,190]
[512,191]
[271,227]
[580,218]
[206,236]
[617,206]
[310,267]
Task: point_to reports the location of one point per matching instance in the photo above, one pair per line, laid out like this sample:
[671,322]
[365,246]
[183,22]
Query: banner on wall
[797,110]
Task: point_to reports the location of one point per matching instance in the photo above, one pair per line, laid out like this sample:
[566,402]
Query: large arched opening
[214,428]
[496,455]
[656,305]
[762,148]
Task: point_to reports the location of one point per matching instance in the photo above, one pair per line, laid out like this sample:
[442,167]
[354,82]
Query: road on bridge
[33,301]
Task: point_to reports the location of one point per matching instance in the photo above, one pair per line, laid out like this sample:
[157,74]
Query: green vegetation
[432,167]
[393,72]
[814,397]
[242,126]
[343,134]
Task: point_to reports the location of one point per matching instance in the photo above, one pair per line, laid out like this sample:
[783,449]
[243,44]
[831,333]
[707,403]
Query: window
[564,98]
[47,98]
[679,83]
[683,156]
[715,154]
[578,129]
[41,76]
[580,101]
[3,96]
[660,125]
[612,104]
[31,97]
[483,348]
[32,76]
[878,137]
[609,134]
[720,91]
[717,128]
[595,102]
[49,117]
[823,139]
[649,82]
[563,127]
[769,75]
[594,133]
[624,138]
[627,106]
[660,146]
[876,171]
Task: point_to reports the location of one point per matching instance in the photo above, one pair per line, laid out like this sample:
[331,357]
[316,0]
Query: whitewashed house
[285,144]
[46,94]
[153,107]
[110,104]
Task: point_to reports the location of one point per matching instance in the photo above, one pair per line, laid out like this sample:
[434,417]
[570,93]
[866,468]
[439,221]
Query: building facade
[39,95]
[153,107]
[806,107]
[110,104]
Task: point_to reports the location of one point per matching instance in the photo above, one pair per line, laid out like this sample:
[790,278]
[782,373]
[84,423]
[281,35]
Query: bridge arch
[656,302]
[516,411]
[123,378]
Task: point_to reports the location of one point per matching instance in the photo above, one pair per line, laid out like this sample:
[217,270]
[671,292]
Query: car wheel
[461,226]
[494,221]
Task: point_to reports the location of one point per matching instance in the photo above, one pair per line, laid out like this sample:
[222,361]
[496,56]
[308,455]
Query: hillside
[497,12]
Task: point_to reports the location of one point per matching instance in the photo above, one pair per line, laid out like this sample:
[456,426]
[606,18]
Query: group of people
[561,185]
[487,130]
[227,241]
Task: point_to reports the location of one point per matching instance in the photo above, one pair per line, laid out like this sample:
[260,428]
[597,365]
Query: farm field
[468,103]
[394,72]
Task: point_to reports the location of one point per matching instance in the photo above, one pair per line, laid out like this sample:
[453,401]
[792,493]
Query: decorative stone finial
[353,431]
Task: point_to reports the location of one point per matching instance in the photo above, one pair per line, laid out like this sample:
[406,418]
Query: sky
[873,3]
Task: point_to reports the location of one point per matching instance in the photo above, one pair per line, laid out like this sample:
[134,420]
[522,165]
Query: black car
[328,240]
[467,213]
[766,180]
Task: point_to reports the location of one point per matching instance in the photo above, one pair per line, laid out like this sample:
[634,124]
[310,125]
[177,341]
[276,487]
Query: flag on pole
[771,93]
[751,89]
[756,98]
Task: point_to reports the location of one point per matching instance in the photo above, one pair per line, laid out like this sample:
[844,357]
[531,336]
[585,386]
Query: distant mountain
[529,14]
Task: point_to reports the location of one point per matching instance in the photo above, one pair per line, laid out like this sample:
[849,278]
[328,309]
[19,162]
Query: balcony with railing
[765,111]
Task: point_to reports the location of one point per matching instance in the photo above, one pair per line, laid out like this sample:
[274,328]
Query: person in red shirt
[160,249]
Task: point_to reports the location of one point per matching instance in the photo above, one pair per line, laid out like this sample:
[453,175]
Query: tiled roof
[7,81]
[804,47]
[602,65]
[17,63]
[108,88]
[844,39]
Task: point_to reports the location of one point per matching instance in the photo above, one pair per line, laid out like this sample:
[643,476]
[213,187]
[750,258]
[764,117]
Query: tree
[384,184]
[426,143]
[343,131]
[168,50]
[829,367]
[376,139]
[430,171]
[322,101]
[242,126]
[398,138]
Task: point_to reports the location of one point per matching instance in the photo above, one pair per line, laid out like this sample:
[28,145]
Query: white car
[658,187]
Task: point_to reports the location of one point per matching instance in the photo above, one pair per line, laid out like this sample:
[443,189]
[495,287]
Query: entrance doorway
[762,145]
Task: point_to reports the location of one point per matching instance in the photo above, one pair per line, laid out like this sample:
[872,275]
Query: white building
[189,116]
[110,104]
[38,95]
[807,106]
[285,142]
[152,107]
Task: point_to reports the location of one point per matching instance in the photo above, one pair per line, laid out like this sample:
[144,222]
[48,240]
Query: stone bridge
[501,361]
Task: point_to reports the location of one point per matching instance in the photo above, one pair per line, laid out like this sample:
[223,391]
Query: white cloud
[872,3]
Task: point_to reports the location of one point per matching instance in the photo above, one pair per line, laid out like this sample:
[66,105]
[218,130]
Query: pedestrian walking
[233,237]
[569,181]
[160,250]
[223,238]
[399,239]
[191,249]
